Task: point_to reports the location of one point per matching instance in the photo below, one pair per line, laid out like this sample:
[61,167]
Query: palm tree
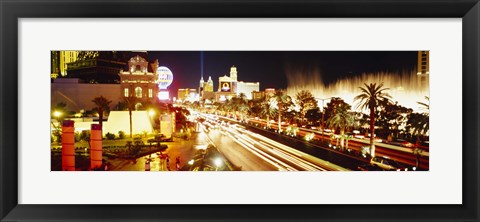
[425,106]
[283,103]
[267,109]
[102,104]
[306,101]
[419,122]
[343,120]
[369,98]
[130,101]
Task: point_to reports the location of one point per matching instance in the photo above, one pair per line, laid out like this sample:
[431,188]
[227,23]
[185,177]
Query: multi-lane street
[252,151]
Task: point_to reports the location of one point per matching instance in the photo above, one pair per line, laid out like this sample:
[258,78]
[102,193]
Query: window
[138,92]
[125,92]
[150,93]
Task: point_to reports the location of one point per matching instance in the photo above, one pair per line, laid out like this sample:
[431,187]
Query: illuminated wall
[247,88]
[120,121]
[79,96]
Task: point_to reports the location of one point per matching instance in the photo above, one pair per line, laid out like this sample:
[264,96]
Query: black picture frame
[11,11]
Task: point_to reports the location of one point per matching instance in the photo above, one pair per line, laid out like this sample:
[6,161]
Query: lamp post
[218,163]
[323,114]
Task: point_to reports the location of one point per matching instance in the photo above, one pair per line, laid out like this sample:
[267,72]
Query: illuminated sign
[163,95]
[165,77]
[225,87]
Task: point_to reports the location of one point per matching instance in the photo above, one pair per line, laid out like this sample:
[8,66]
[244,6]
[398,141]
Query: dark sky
[270,67]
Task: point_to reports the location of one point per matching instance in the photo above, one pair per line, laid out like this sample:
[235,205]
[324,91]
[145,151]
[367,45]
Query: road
[403,155]
[251,151]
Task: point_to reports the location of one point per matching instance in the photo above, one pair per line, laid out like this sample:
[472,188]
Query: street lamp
[57,114]
[151,112]
[218,163]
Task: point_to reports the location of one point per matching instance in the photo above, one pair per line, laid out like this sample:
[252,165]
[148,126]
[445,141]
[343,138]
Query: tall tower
[233,73]
[423,63]
[55,64]
[209,85]
[423,67]
[201,86]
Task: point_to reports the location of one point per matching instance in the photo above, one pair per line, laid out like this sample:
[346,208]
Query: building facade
[59,61]
[78,96]
[98,66]
[259,95]
[247,88]
[138,81]
[186,94]
[229,86]
[423,68]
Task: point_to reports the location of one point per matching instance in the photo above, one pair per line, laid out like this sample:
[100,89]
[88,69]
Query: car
[400,142]
[359,136]
[387,164]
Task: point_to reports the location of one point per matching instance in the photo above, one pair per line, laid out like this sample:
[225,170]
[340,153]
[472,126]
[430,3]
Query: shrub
[110,136]
[85,135]
[77,136]
[121,134]
[57,134]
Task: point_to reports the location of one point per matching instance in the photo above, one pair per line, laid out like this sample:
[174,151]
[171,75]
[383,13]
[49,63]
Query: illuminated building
[257,95]
[247,88]
[59,62]
[229,86]
[186,94]
[226,89]
[98,66]
[200,86]
[423,68]
[206,89]
[423,63]
[139,81]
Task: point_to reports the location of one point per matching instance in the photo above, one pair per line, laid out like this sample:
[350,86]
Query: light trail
[272,151]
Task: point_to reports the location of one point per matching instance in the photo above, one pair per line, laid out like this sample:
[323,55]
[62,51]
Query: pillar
[95,146]
[68,145]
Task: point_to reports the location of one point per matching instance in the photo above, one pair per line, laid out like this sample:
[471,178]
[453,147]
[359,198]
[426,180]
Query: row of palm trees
[298,108]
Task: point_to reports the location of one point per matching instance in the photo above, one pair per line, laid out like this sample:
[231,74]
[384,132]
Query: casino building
[229,86]
[138,78]
[138,81]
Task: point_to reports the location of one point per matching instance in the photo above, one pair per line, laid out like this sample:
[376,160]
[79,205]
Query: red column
[95,146]
[68,146]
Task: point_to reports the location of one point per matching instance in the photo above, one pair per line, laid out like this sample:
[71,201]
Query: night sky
[270,67]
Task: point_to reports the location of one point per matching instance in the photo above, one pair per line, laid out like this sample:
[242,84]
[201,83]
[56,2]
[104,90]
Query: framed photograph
[227,110]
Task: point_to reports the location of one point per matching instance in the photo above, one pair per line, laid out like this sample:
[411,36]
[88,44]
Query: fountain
[405,87]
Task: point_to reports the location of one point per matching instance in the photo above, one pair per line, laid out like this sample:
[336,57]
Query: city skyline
[329,65]
[360,110]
